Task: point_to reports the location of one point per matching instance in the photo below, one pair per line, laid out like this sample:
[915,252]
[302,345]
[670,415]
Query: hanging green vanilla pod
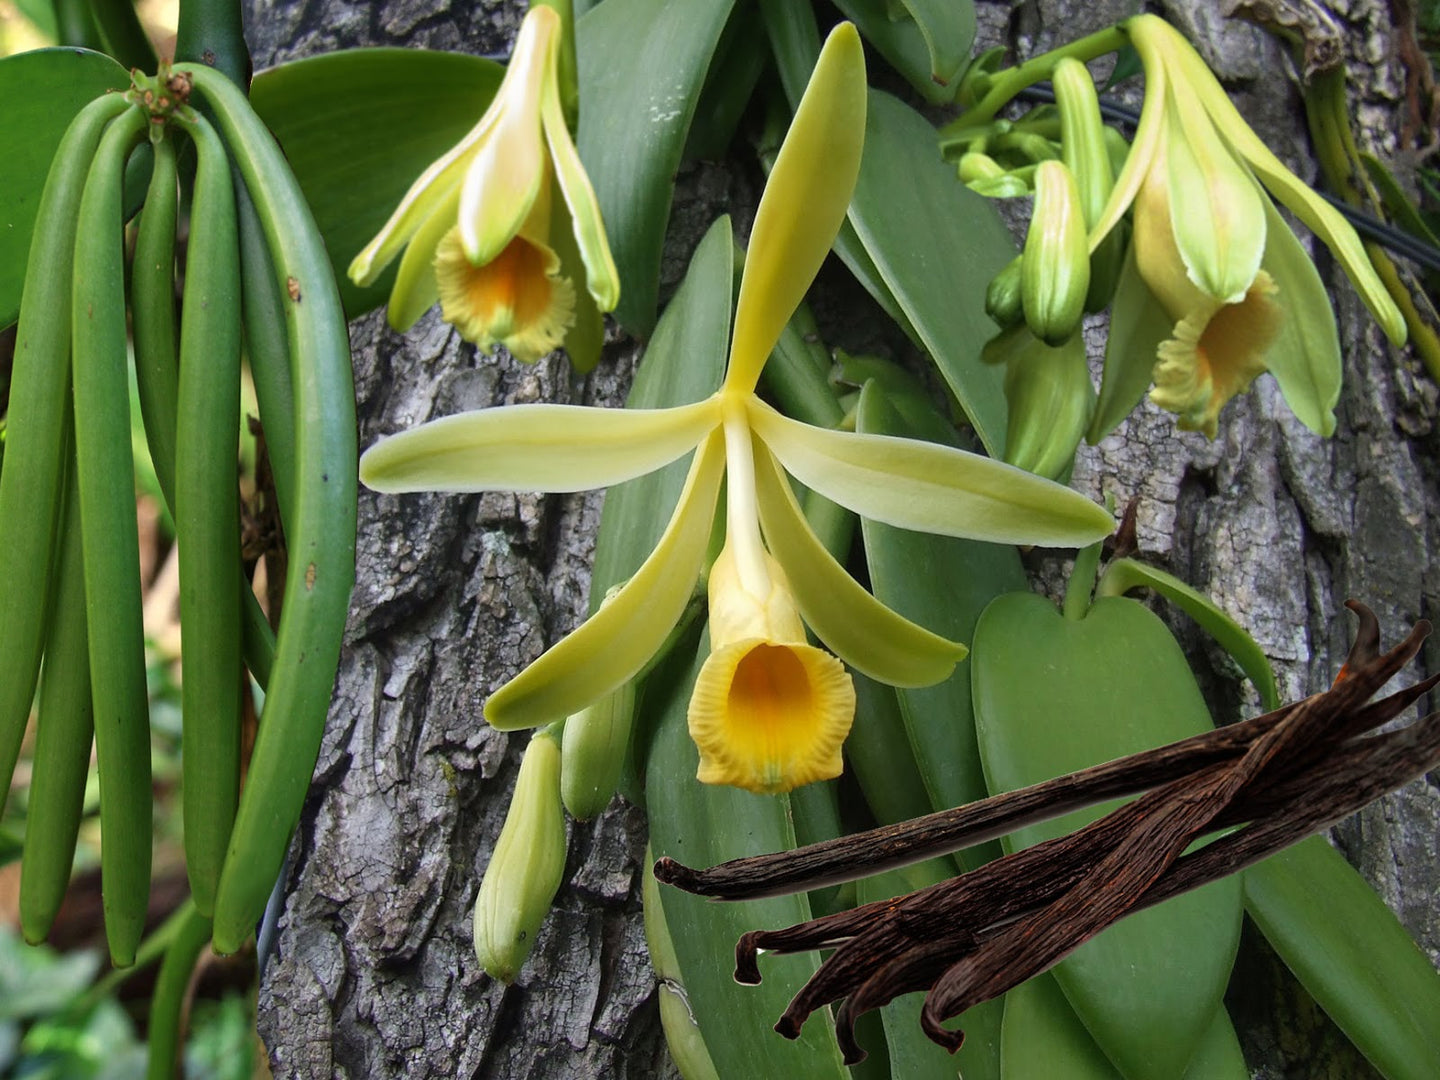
[1002,297]
[1055,275]
[526,867]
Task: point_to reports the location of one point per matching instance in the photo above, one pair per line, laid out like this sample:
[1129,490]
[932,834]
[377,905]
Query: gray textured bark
[375,975]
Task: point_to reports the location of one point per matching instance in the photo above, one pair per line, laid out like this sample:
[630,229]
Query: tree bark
[374,974]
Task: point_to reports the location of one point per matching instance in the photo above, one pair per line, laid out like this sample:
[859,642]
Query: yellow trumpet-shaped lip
[518,299]
[770,716]
[1216,353]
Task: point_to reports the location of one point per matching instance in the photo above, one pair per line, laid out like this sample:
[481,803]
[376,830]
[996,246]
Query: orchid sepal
[542,447]
[930,488]
[613,645]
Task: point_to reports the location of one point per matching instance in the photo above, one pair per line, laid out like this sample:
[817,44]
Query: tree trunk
[374,974]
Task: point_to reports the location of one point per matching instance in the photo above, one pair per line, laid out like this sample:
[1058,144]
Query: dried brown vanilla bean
[1280,777]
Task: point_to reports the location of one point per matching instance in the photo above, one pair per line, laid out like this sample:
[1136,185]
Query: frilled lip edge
[1281,777]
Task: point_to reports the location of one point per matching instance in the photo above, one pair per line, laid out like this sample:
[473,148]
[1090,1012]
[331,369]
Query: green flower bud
[1087,153]
[592,752]
[977,166]
[1008,186]
[682,1033]
[526,867]
[1056,271]
[1049,397]
[1002,297]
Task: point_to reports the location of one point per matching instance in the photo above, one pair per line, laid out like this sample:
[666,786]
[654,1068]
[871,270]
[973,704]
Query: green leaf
[642,66]
[684,362]
[358,126]
[936,245]
[929,44]
[42,91]
[1054,695]
[943,584]
[1351,954]
[1042,1036]
[1138,324]
[1218,1056]
[1305,358]
[1122,575]
[701,825]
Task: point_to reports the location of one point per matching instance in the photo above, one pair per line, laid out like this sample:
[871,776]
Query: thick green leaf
[943,584]
[928,42]
[1053,695]
[1305,358]
[912,1055]
[42,91]
[1138,324]
[936,245]
[358,126]
[642,66]
[1352,955]
[1218,1057]
[684,362]
[1042,1036]
[701,825]
[1122,575]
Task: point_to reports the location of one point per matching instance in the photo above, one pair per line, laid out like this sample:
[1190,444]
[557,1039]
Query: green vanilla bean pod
[1085,152]
[268,351]
[526,867]
[64,729]
[321,535]
[207,516]
[167,1005]
[1055,273]
[111,542]
[32,481]
[152,314]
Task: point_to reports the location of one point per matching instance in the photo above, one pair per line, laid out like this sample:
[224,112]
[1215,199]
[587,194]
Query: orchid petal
[609,648]
[601,277]
[535,448]
[1218,216]
[510,167]
[429,198]
[1305,357]
[416,289]
[1142,153]
[803,205]
[859,629]
[1319,216]
[930,488]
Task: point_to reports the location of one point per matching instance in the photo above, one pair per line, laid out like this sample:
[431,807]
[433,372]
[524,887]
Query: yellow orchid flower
[480,228]
[768,712]
[1212,250]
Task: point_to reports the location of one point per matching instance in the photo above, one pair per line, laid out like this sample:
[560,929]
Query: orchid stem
[1006,84]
